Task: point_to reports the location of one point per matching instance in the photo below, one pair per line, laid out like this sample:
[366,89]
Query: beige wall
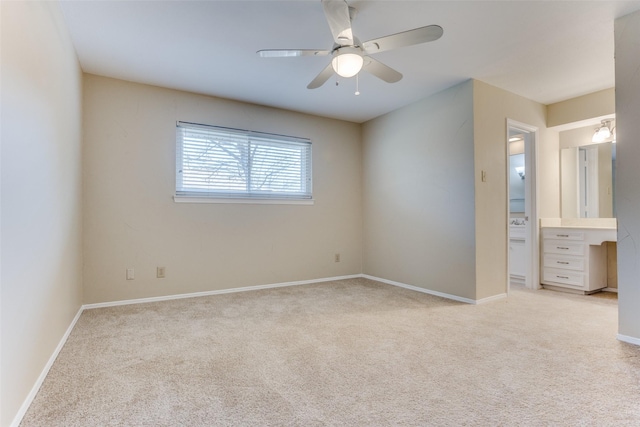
[605,181]
[627,31]
[131,220]
[41,193]
[580,136]
[418,194]
[491,109]
[399,198]
[574,110]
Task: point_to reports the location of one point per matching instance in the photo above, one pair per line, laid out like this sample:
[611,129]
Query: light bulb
[603,132]
[347,62]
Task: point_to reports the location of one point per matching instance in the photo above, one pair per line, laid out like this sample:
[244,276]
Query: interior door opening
[523,219]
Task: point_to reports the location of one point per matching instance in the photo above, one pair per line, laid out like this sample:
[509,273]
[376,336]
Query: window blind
[217,162]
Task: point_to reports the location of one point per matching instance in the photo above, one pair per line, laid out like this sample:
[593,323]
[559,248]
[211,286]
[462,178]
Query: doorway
[522,212]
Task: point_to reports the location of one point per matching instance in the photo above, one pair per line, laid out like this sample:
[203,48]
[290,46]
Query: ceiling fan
[349,54]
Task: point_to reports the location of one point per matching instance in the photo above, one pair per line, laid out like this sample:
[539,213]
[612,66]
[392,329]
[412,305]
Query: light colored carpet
[352,352]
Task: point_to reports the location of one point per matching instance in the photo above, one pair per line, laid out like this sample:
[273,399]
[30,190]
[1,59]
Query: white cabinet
[517,254]
[575,258]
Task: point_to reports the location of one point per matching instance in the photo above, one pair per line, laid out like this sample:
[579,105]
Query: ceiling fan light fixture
[347,62]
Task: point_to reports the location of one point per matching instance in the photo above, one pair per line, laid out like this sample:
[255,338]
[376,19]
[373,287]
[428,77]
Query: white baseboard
[489,299]
[628,339]
[615,290]
[515,279]
[34,391]
[418,289]
[216,292]
[285,284]
[435,293]
[36,387]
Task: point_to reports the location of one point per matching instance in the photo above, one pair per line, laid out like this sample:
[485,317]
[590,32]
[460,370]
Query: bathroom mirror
[587,181]
[517,188]
[516,183]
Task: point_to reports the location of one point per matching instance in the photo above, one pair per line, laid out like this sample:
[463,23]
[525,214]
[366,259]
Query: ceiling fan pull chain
[357,84]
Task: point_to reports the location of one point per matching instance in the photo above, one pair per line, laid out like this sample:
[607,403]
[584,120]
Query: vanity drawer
[559,234]
[517,232]
[564,277]
[564,263]
[563,248]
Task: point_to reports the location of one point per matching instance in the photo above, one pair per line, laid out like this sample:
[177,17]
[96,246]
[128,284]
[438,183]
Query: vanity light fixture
[603,132]
[520,171]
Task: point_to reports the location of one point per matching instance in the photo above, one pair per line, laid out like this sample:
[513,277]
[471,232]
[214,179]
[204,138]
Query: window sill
[252,201]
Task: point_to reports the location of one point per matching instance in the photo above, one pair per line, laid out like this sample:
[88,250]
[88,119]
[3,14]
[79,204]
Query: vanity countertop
[581,227]
[582,223]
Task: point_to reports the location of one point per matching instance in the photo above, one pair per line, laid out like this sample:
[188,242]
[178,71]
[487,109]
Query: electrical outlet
[131,274]
[160,272]
[337,258]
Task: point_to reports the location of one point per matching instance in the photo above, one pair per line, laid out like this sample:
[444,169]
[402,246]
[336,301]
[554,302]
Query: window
[216,162]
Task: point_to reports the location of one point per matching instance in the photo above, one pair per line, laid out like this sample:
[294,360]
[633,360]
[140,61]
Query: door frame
[532,245]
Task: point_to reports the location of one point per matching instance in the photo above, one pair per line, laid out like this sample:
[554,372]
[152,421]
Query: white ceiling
[547,51]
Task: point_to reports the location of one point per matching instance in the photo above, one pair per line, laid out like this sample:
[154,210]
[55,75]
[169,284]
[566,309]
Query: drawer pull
[562,247]
[562,235]
[563,262]
[563,277]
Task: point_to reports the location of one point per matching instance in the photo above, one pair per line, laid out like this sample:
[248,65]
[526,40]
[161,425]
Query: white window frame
[238,175]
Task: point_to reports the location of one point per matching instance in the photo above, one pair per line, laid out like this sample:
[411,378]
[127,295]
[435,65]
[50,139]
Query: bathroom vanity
[517,252]
[574,258]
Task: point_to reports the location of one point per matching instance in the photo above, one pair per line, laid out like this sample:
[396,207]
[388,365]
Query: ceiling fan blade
[380,70]
[408,38]
[286,53]
[337,13]
[321,78]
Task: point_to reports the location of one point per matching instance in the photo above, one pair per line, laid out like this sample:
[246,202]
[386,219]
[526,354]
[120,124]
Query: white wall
[41,193]
[418,194]
[131,219]
[627,36]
